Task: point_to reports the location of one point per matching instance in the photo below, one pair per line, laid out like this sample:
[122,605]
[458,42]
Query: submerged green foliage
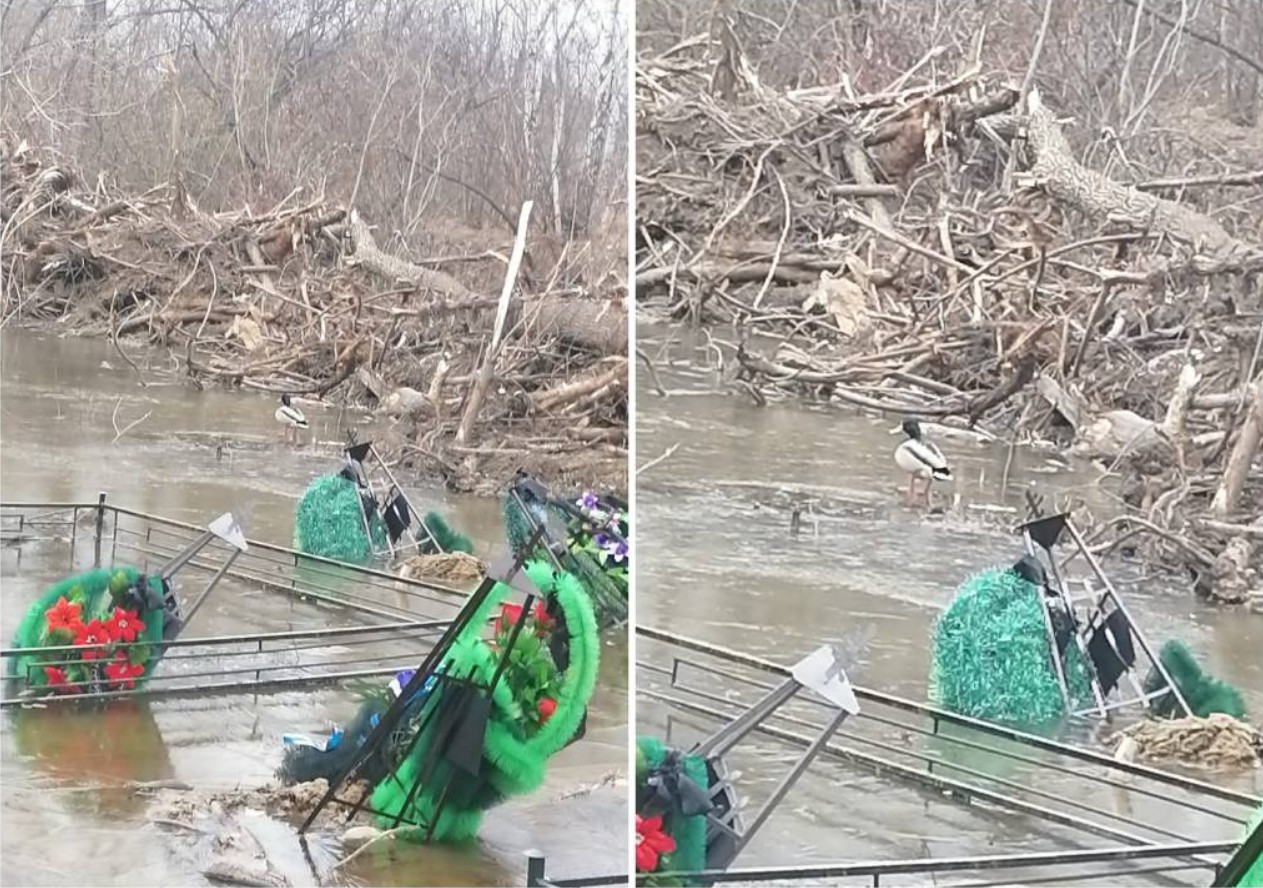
[449,539]
[991,656]
[1203,693]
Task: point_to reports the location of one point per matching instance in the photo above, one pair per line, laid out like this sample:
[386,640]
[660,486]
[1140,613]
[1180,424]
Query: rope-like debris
[1217,741]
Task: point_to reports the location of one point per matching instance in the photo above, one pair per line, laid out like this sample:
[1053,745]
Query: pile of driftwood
[301,299]
[938,249]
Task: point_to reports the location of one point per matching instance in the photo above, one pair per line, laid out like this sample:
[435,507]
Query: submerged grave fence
[388,623]
[1165,823]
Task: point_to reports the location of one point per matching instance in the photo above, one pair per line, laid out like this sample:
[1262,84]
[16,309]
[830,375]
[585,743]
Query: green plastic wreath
[113,644]
[521,736]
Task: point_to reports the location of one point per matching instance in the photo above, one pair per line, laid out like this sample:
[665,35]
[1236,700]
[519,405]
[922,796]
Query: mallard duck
[290,417]
[920,458]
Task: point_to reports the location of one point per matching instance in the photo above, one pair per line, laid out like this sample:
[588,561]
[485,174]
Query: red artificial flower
[64,615]
[94,633]
[125,625]
[542,618]
[651,842]
[546,706]
[57,679]
[509,615]
[121,672]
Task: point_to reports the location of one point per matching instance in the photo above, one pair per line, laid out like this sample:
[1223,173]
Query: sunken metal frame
[461,716]
[716,664]
[1040,534]
[365,483]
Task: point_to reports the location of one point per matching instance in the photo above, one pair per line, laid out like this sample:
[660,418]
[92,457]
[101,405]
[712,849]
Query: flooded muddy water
[719,562]
[74,422]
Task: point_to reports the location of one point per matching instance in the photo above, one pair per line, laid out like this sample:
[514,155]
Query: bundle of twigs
[937,248]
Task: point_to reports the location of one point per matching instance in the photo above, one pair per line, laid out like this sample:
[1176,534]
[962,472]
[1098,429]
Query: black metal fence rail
[536,876]
[401,617]
[875,870]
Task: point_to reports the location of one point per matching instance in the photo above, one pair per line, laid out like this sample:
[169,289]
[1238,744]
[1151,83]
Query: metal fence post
[100,529]
[534,868]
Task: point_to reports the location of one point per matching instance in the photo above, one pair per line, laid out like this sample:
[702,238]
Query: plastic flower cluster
[602,532]
[101,659]
[531,672]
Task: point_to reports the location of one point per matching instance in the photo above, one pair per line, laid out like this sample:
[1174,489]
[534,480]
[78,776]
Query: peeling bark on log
[1056,171]
[594,324]
[598,325]
[393,268]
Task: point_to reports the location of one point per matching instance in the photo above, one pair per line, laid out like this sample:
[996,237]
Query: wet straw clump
[991,657]
[328,522]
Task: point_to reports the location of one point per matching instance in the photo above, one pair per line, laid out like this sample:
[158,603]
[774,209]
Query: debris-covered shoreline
[301,299]
[939,249]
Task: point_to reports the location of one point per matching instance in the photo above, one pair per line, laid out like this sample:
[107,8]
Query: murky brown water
[718,562]
[64,815]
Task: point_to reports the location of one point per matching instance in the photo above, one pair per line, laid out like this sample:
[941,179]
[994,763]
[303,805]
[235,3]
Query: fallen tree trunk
[598,379]
[1241,458]
[1056,171]
[369,255]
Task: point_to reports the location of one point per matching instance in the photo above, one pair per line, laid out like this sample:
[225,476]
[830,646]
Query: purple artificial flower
[588,501]
[616,549]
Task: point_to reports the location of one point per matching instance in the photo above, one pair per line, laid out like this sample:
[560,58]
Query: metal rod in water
[185,555]
[1001,752]
[963,790]
[1098,693]
[234,687]
[941,865]
[100,529]
[407,502]
[1118,603]
[1058,666]
[730,734]
[210,586]
[973,772]
[790,779]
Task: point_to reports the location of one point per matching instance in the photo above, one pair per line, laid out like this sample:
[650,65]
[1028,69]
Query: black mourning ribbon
[670,788]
